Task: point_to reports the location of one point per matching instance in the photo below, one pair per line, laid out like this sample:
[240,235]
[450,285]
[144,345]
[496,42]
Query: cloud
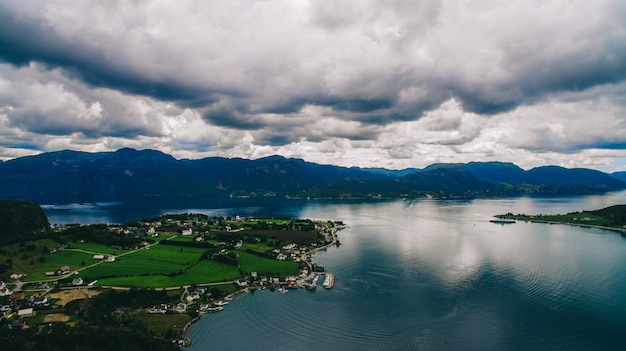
[280,56]
[396,82]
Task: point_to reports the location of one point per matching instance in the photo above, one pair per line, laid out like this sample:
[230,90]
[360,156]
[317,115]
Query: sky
[367,83]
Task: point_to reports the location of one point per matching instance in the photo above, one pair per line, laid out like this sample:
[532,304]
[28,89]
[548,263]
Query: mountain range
[127,173]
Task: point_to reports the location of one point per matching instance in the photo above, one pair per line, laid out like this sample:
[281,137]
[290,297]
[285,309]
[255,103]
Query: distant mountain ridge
[128,173]
[619,175]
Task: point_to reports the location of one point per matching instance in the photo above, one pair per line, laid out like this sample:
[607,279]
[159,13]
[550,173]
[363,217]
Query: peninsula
[610,218]
[158,274]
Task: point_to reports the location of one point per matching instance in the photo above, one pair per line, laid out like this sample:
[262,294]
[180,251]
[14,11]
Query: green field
[131,265]
[253,263]
[260,248]
[184,239]
[205,271]
[97,248]
[24,257]
[173,254]
[208,271]
[52,262]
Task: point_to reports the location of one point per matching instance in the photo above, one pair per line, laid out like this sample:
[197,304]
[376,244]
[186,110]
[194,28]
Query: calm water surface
[427,275]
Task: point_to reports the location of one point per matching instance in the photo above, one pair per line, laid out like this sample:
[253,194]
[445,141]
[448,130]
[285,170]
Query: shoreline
[616,229]
[230,296]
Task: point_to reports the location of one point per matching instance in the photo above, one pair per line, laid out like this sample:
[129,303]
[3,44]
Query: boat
[283,290]
[206,308]
[220,303]
[502,221]
[312,285]
[329,281]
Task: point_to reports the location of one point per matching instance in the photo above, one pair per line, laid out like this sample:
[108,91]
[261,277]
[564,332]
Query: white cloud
[399,84]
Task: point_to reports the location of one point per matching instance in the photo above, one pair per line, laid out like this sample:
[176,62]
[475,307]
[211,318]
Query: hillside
[21,219]
[72,176]
[615,215]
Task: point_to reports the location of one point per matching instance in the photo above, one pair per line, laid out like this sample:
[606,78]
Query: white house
[63,270]
[27,312]
[40,300]
[162,308]
[16,275]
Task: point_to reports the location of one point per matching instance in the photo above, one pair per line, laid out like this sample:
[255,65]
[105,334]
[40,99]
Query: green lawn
[253,263]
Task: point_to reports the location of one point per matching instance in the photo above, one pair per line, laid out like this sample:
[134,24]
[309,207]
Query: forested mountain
[128,173]
[21,219]
[495,172]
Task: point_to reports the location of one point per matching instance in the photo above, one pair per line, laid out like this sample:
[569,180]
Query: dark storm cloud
[233,119]
[32,41]
[568,74]
[26,39]
[362,105]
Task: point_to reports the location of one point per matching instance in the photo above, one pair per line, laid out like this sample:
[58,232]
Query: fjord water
[435,275]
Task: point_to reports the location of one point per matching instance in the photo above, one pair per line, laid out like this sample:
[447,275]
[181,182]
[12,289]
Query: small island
[146,281]
[610,218]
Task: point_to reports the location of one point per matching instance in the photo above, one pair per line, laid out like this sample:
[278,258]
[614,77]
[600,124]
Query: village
[240,243]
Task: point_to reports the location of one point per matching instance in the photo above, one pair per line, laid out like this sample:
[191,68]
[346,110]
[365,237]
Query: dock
[329,281]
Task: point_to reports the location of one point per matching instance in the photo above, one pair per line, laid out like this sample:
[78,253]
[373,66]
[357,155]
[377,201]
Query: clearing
[66,296]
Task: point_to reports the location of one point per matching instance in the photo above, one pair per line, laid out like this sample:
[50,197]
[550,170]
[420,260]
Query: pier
[329,281]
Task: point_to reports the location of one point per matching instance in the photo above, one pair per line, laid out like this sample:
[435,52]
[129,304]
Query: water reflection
[431,274]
